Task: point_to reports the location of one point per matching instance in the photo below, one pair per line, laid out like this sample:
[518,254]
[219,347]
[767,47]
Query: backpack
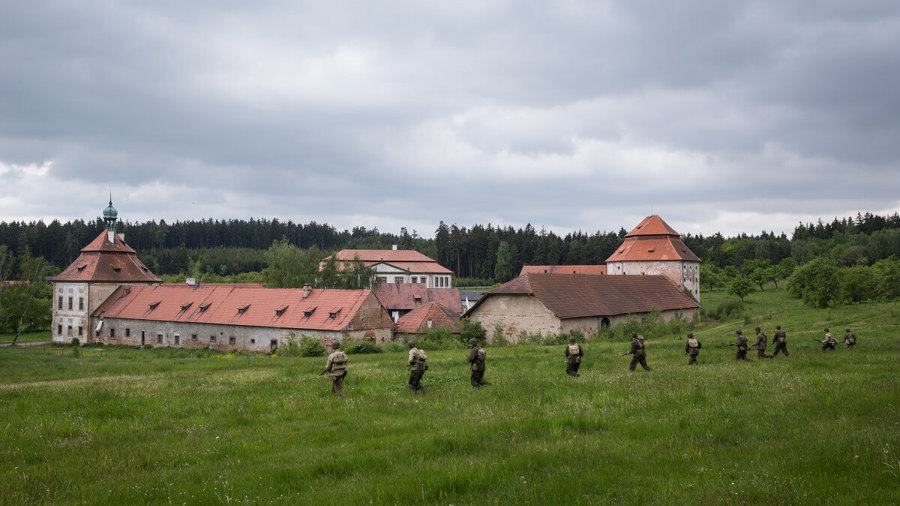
[422,358]
[481,355]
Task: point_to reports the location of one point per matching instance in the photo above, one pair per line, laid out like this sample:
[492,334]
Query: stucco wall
[70,319]
[685,275]
[515,313]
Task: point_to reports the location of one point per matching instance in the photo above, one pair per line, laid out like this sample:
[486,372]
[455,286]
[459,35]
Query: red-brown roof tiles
[407,260]
[636,249]
[416,321]
[408,296]
[236,305]
[106,261]
[580,295]
[652,225]
[597,270]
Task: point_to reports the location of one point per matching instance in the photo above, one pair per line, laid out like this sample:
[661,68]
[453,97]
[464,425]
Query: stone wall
[515,313]
[685,275]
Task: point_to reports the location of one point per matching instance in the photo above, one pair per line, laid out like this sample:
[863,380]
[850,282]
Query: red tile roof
[652,240]
[408,296]
[652,225]
[105,261]
[598,270]
[407,260]
[416,321]
[636,249]
[581,295]
[236,305]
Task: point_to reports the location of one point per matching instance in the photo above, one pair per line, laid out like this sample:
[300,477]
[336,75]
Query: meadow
[119,425]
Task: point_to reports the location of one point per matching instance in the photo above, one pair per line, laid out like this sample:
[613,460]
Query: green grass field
[27,337]
[123,426]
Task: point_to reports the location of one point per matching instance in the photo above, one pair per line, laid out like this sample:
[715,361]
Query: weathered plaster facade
[684,274]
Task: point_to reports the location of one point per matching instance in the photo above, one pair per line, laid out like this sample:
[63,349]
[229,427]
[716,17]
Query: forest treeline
[477,253]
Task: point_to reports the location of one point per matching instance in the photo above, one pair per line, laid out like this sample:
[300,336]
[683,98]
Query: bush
[728,309]
[499,338]
[359,346]
[75,341]
[471,330]
[858,284]
[305,346]
[816,282]
[440,338]
[396,346]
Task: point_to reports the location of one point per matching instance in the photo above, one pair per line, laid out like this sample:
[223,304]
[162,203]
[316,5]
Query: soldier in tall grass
[573,357]
[780,341]
[477,357]
[638,352]
[417,364]
[760,344]
[849,338]
[829,342]
[692,348]
[741,344]
[337,366]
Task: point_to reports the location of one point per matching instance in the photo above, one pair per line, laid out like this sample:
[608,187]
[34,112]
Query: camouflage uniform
[337,366]
[638,352]
[573,357]
[850,339]
[741,344]
[780,341]
[418,364]
[829,342]
[477,358]
[692,348]
[760,344]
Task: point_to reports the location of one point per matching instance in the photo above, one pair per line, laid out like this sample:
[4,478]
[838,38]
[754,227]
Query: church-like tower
[653,247]
[103,265]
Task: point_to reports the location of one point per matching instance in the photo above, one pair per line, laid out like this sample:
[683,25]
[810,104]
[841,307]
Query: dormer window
[651,250]
[116,268]
[186,306]
[309,312]
[204,307]
[154,305]
[334,313]
[279,312]
[242,310]
[81,267]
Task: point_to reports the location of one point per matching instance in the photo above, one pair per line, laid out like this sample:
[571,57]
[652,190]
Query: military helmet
[738,331]
[846,330]
[826,329]
[473,341]
[336,344]
[411,344]
[690,335]
[756,329]
[571,339]
[633,335]
[777,327]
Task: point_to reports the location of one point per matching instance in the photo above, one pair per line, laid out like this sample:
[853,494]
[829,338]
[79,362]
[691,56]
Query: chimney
[394,247]
[191,282]
[307,289]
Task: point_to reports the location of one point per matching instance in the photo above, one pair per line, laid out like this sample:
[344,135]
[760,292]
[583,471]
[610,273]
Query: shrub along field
[121,425]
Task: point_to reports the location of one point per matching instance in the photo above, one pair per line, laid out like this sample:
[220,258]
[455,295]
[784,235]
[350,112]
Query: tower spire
[110,216]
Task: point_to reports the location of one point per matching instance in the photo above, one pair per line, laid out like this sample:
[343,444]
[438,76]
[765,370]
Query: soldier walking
[849,338]
[741,344]
[829,342]
[477,358]
[760,344]
[337,366]
[692,348]
[638,352]
[780,341]
[573,357]
[417,365]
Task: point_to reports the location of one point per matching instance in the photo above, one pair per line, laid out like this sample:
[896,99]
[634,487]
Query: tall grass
[122,425]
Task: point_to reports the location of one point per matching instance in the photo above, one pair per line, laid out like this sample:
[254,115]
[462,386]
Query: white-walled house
[399,266]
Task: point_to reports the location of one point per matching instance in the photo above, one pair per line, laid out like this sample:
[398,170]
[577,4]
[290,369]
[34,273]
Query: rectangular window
[81,303]
[127,332]
[177,339]
[59,330]
[80,331]
[112,333]
[231,340]
[158,338]
[70,303]
[59,306]
[253,341]
[381,279]
[193,337]
[70,330]
[398,279]
[212,339]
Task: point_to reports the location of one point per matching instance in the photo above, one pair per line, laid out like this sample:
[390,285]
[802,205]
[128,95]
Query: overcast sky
[716,115]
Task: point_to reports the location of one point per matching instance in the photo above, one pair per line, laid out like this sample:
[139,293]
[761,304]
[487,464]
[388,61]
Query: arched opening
[604,323]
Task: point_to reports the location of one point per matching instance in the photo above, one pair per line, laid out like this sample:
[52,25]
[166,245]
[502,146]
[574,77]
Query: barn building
[655,248]
[428,316]
[234,317]
[559,303]
[401,298]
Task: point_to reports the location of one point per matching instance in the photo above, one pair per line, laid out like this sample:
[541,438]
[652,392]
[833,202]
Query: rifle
[727,345]
[626,353]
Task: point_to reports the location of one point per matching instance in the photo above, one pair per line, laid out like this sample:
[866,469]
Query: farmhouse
[559,303]
[429,316]
[232,317]
[399,266]
[653,247]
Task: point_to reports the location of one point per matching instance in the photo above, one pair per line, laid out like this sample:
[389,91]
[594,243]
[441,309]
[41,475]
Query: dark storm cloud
[572,115]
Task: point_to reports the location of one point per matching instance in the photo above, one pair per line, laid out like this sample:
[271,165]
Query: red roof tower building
[655,248]
[103,265]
